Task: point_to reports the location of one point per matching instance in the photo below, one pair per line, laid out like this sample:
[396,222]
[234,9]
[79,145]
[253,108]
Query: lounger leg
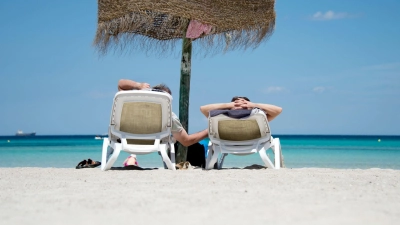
[110,162]
[105,153]
[209,155]
[172,154]
[221,161]
[211,158]
[165,158]
[277,153]
[265,158]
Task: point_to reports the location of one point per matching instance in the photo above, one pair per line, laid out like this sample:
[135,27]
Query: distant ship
[99,137]
[21,133]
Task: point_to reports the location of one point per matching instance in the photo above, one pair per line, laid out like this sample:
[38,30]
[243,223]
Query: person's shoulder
[176,124]
[174,116]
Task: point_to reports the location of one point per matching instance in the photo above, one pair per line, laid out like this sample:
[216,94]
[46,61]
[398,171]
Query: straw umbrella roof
[159,24]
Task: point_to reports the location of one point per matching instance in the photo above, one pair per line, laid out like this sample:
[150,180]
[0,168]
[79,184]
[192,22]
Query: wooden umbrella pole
[184,93]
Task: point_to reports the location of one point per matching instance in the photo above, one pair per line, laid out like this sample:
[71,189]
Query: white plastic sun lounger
[241,137]
[140,124]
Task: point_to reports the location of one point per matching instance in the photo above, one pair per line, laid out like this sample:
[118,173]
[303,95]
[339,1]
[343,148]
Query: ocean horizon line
[276,135]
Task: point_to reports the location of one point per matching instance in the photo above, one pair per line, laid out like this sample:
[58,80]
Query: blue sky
[333,65]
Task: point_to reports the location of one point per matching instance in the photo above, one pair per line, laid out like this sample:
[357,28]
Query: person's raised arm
[272,111]
[126,85]
[205,109]
[187,140]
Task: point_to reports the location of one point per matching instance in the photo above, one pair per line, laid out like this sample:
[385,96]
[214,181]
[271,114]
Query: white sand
[230,196]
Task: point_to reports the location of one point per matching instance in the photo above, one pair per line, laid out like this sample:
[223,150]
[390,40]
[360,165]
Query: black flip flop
[81,164]
[90,163]
[87,164]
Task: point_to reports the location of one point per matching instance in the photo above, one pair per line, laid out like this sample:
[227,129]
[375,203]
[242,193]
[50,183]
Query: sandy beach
[229,196]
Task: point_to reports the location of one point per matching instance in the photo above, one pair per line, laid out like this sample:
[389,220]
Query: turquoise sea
[299,151]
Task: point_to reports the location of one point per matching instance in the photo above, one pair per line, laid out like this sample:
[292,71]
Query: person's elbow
[274,113]
[183,138]
[121,83]
[204,110]
[279,110]
[186,142]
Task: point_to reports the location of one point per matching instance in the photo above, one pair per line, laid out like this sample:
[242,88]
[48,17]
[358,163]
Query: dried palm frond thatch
[158,24]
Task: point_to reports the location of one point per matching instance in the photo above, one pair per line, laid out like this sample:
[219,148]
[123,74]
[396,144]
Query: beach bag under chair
[140,124]
[241,132]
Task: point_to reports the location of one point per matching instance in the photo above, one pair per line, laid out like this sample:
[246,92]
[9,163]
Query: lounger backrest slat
[141,112]
[229,129]
[238,130]
[141,118]
[140,124]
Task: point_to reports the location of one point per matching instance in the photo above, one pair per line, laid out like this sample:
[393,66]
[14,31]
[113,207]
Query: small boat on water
[21,133]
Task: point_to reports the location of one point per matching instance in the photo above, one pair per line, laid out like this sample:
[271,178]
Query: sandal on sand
[88,164]
[81,164]
[183,166]
[93,164]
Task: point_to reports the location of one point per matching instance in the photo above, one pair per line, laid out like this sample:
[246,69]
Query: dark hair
[237,97]
[163,87]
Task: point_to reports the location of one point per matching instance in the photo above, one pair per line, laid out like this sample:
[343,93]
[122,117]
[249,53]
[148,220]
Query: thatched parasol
[159,24]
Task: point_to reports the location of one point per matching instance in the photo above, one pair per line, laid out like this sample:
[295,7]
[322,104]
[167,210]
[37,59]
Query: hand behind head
[144,86]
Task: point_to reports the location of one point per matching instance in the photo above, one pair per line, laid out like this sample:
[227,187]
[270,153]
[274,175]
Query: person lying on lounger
[178,132]
[237,102]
